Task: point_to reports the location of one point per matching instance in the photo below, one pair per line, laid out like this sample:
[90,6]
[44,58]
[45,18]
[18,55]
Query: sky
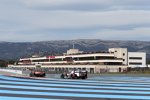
[45,20]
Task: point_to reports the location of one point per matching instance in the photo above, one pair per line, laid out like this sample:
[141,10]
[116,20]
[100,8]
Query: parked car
[78,74]
[37,73]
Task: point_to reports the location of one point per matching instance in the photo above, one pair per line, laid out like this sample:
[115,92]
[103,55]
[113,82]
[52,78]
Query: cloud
[88,5]
[111,34]
[34,20]
[77,20]
[66,24]
[135,34]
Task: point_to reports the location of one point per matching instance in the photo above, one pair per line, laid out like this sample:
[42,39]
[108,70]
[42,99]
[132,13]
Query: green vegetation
[148,62]
[4,63]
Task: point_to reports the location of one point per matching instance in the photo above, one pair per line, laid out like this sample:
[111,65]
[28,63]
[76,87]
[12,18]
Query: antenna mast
[73,44]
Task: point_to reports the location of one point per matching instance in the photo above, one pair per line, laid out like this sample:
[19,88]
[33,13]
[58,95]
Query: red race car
[37,73]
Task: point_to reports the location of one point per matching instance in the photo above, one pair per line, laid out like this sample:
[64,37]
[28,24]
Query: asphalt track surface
[98,88]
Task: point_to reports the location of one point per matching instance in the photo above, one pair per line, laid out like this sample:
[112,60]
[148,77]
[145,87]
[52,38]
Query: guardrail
[12,71]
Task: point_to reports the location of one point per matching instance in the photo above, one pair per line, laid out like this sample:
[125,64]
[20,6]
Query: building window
[123,59]
[123,54]
[136,58]
[134,63]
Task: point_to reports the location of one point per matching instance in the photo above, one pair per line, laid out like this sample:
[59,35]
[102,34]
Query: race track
[99,88]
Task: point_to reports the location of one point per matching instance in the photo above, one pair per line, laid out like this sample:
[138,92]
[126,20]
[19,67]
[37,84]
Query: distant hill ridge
[16,50]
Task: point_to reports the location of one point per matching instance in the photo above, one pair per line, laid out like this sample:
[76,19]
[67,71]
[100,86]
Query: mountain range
[16,50]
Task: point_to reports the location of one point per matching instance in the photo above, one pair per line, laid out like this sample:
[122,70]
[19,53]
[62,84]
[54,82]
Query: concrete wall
[108,68]
[120,53]
[135,58]
[89,68]
[12,71]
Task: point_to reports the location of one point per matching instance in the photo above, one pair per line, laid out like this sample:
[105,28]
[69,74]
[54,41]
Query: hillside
[15,50]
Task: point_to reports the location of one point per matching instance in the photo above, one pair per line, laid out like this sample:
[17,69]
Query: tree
[3,63]
[148,61]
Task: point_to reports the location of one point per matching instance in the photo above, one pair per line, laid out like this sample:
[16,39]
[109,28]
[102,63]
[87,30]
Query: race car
[78,74]
[37,73]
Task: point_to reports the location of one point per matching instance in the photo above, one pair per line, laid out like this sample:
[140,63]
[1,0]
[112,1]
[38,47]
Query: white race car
[78,74]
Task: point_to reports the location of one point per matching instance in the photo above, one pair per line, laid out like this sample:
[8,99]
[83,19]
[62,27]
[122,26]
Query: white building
[114,60]
[120,53]
[73,51]
[132,59]
[136,59]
